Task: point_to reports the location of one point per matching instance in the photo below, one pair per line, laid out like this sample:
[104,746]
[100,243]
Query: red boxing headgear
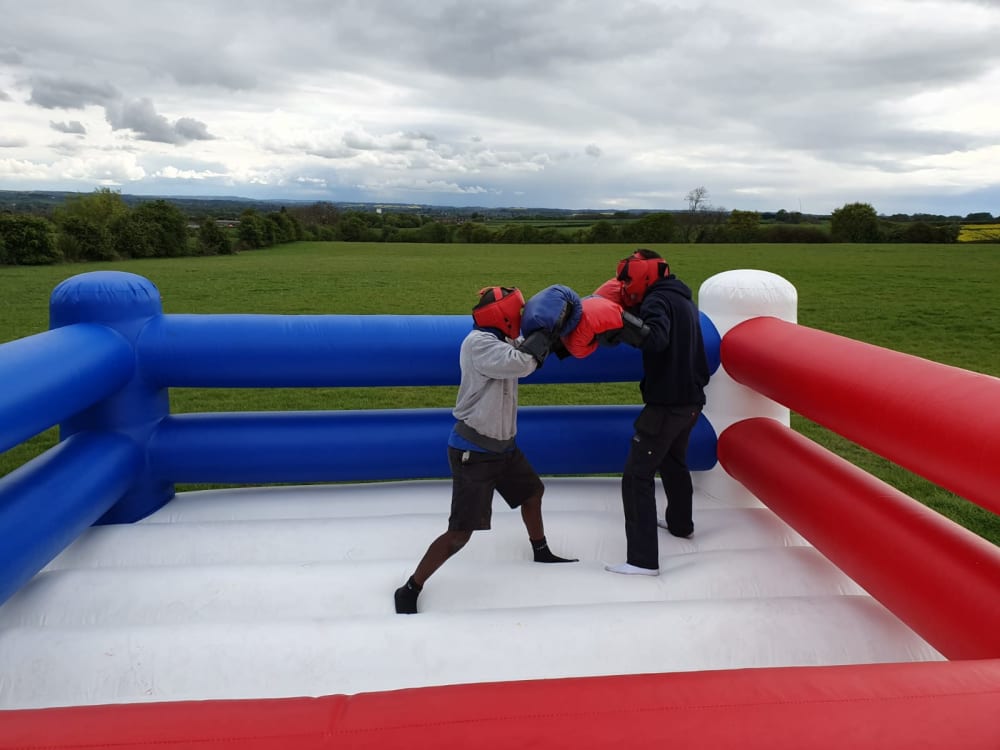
[637,274]
[500,307]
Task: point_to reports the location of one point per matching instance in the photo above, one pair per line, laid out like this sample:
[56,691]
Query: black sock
[544,555]
[406,597]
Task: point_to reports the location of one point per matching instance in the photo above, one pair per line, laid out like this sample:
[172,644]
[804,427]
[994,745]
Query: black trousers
[659,444]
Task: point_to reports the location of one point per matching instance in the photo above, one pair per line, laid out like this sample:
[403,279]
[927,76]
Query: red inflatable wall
[939,578]
[930,705]
[940,422]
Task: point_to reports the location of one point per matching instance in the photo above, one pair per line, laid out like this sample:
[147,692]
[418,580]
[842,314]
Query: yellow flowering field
[979,233]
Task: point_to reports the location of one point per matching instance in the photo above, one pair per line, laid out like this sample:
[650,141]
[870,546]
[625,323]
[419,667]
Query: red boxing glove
[613,290]
[599,316]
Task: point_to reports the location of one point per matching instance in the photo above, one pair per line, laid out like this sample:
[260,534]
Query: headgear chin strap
[637,274]
[500,307]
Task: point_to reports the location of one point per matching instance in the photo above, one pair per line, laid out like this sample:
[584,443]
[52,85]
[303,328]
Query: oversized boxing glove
[613,290]
[599,317]
[555,309]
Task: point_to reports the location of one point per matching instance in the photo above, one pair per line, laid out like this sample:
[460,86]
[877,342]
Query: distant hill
[45,201]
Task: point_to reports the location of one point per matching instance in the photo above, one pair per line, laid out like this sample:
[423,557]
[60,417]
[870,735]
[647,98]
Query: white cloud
[113,169]
[18,170]
[401,186]
[173,173]
[106,169]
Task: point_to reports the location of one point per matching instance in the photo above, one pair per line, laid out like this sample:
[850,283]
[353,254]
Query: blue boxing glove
[556,309]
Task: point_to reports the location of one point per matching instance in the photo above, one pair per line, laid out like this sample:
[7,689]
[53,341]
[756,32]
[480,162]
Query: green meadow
[933,301]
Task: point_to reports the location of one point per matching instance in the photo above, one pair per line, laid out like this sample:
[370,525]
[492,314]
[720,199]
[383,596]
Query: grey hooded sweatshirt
[487,394]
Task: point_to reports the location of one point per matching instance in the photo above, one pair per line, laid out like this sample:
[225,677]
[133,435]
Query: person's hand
[610,337]
[633,330]
[538,345]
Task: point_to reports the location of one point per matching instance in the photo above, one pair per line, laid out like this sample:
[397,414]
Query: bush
[792,233]
[82,238]
[923,233]
[27,241]
[212,240]
[132,236]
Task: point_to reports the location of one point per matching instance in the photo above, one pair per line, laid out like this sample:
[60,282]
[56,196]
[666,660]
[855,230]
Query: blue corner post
[124,302]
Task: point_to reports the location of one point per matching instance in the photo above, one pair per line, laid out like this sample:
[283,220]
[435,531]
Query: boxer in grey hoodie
[482,451]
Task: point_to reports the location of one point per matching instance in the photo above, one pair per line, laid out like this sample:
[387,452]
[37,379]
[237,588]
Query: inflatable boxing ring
[815,606]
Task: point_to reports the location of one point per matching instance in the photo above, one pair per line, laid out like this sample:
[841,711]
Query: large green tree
[86,224]
[167,225]
[101,207]
[284,226]
[252,232]
[854,222]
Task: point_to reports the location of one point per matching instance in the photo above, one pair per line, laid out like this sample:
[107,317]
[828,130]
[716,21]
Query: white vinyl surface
[287,591]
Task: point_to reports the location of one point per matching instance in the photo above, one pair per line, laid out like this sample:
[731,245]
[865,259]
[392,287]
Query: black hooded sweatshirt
[675,368]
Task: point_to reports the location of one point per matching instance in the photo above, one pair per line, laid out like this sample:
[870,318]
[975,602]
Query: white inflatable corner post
[728,299]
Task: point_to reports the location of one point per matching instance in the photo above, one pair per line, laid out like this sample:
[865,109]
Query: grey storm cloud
[4,96]
[11,57]
[74,127]
[140,116]
[190,129]
[209,69]
[56,93]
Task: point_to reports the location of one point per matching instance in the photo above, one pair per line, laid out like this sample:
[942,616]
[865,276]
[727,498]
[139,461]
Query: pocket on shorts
[482,457]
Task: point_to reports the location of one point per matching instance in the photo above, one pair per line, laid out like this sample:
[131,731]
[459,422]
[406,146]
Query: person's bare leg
[531,514]
[437,553]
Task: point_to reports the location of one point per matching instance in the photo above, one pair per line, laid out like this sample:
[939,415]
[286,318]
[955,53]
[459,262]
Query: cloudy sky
[564,103]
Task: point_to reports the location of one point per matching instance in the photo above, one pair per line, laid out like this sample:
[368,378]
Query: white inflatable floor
[287,591]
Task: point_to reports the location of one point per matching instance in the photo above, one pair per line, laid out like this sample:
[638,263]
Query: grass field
[933,301]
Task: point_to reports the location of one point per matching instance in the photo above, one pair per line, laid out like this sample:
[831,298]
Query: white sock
[632,570]
[662,524]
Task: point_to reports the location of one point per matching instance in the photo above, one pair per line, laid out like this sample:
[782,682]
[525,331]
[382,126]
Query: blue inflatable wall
[103,373]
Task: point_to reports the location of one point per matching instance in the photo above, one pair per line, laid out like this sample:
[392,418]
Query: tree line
[101,226]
